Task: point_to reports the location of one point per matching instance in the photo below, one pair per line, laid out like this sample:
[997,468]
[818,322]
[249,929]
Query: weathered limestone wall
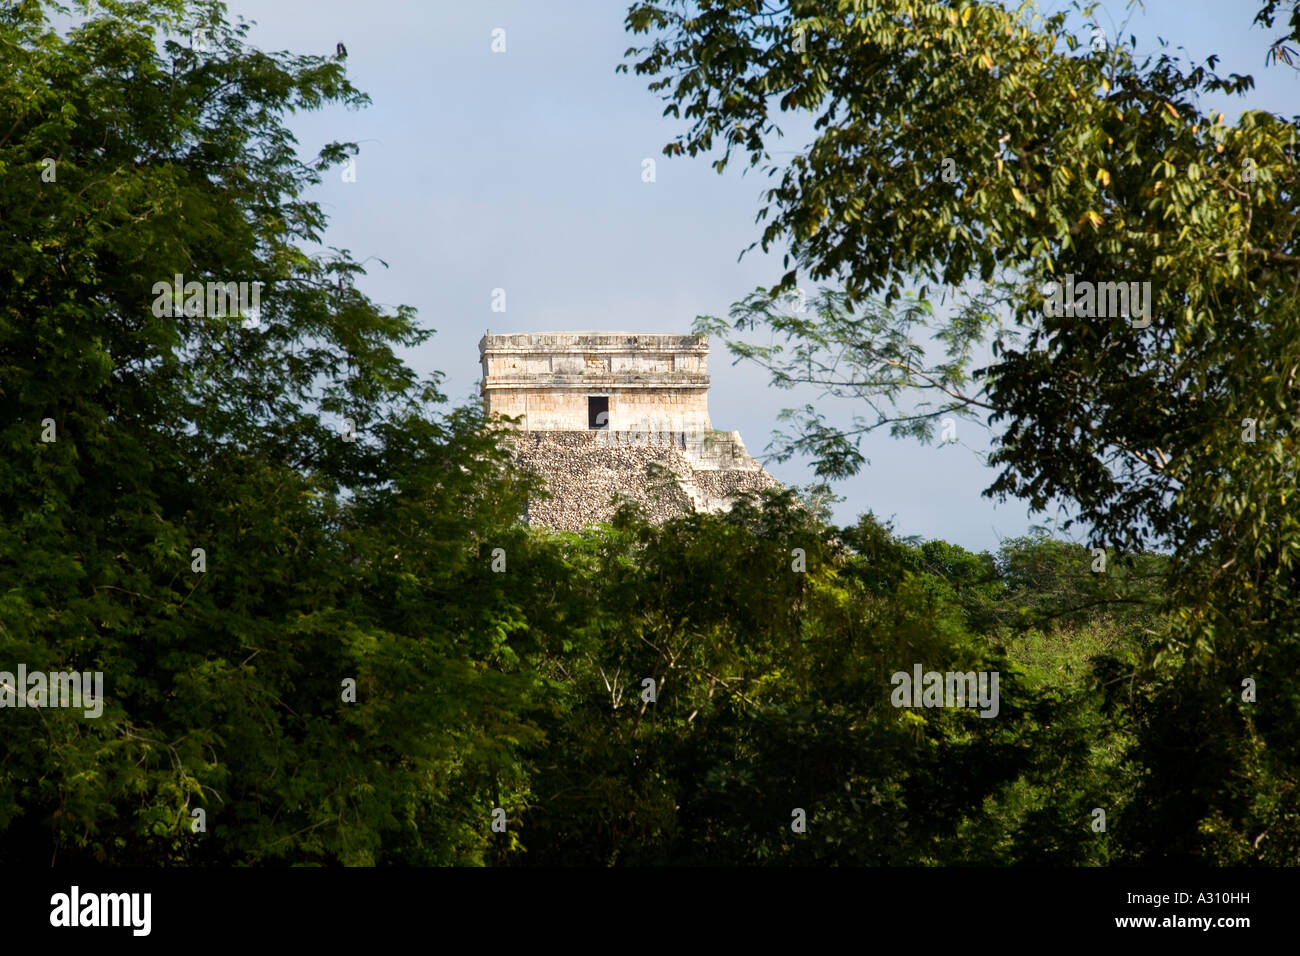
[587,472]
[656,387]
[641,409]
[652,381]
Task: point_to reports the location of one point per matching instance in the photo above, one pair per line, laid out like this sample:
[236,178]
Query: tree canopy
[987,151]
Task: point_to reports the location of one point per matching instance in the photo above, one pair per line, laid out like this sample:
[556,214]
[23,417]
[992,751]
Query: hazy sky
[522,170]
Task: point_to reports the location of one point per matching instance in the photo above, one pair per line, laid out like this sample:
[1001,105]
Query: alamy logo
[1100,300]
[951,689]
[102,909]
[213,300]
[55,689]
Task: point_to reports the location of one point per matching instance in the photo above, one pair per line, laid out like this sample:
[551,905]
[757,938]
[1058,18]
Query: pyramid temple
[604,415]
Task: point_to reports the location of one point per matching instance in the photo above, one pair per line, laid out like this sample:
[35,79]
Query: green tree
[988,150]
[179,507]
[772,694]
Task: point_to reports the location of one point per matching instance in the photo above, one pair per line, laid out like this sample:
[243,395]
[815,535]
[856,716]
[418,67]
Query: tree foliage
[1073,160]
[323,559]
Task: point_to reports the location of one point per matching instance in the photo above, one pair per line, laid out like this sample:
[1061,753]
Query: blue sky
[522,170]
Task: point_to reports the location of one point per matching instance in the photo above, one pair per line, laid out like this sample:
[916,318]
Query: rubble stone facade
[609,415]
